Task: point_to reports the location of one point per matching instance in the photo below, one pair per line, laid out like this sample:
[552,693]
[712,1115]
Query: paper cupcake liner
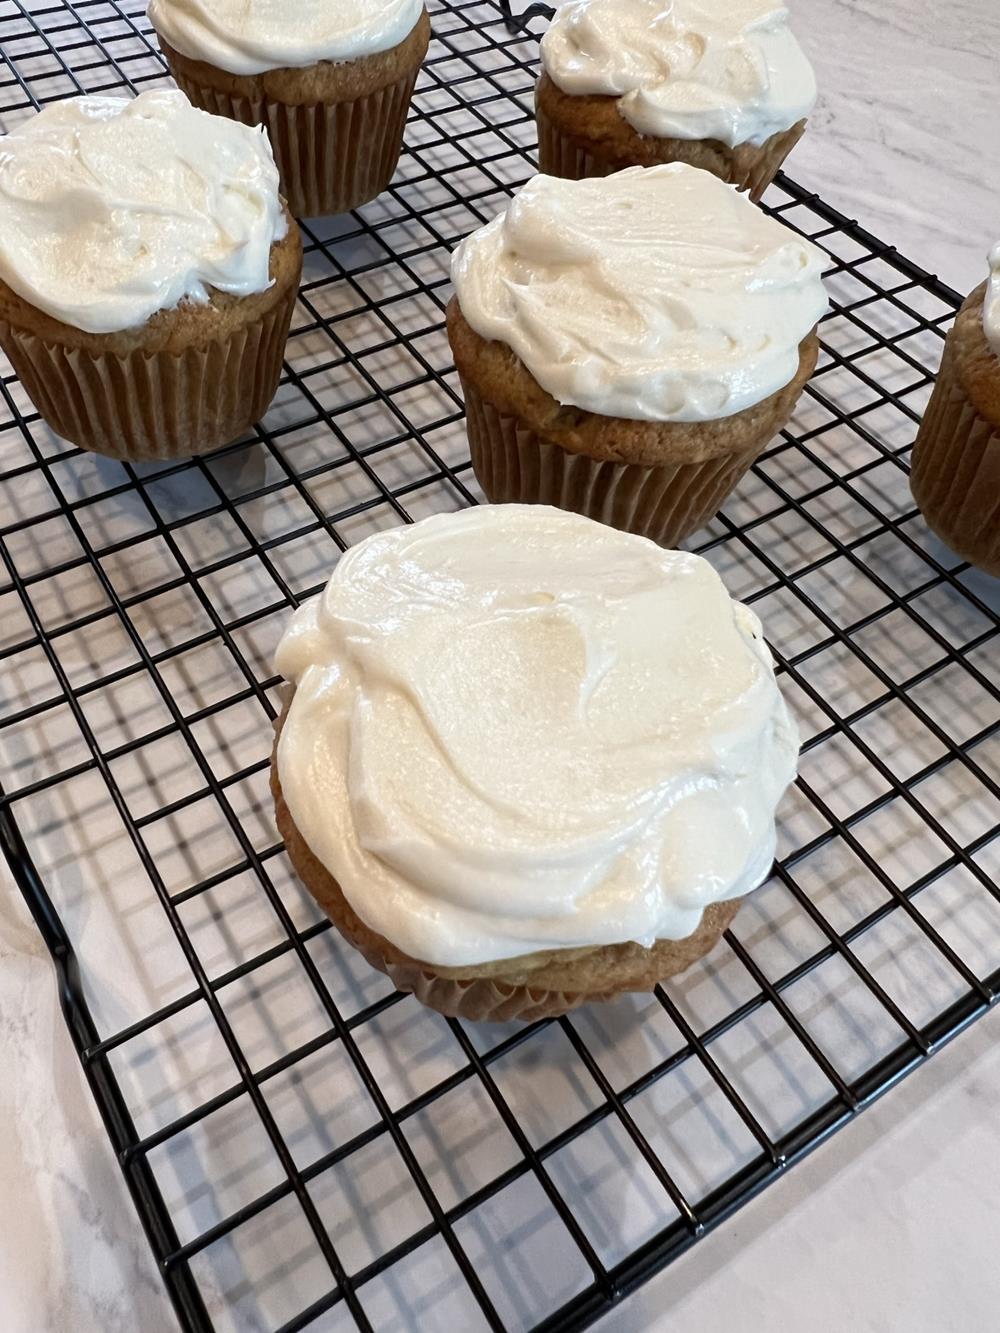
[955,475]
[159,405]
[332,157]
[752,170]
[665,503]
[486,1000]
[483,1000]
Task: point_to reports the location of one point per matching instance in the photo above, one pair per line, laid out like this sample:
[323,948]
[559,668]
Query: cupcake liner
[747,167]
[489,1000]
[955,476]
[665,503]
[154,405]
[483,1000]
[332,157]
[758,173]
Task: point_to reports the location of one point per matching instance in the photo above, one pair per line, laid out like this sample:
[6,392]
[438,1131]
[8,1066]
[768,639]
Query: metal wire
[368,383]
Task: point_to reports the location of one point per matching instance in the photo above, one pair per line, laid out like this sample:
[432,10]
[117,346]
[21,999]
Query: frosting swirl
[655,294]
[254,36]
[685,69]
[515,729]
[991,306]
[112,209]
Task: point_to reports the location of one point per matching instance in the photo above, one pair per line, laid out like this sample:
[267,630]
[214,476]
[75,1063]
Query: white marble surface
[886,1226]
[906,135]
[72,1255]
[890,1226]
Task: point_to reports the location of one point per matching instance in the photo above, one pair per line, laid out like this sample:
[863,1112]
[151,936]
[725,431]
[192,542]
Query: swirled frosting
[253,36]
[729,70]
[656,294]
[112,209]
[991,306]
[514,729]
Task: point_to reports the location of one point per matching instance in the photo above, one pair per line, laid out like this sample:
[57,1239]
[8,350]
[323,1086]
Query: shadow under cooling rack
[306,1148]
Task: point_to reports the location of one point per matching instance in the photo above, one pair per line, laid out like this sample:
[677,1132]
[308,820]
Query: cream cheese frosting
[253,36]
[991,306]
[514,729]
[112,209]
[655,294]
[730,70]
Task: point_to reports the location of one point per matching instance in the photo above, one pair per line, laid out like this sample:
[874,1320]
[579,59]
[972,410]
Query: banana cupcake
[719,84]
[528,761]
[148,273]
[628,345]
[956,459]
[330,79]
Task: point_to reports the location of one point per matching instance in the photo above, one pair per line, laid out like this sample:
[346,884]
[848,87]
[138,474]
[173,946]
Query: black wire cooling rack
[306,1148]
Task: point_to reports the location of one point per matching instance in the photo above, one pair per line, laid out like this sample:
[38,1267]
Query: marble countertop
[904,140]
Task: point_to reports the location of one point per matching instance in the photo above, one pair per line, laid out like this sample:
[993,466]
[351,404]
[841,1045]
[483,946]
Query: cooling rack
[305,1147]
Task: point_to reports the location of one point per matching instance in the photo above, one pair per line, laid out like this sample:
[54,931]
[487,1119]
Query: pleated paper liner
[955,474]
[665,503]
[332,157]
[491,1000]
[747,167]
[602,974]
[159,405]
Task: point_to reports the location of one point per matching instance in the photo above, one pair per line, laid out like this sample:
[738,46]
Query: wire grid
[305,1147]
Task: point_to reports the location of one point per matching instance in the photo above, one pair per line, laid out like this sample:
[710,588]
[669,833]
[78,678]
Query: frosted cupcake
[528,761]
[330,79]
[719,84]
[956,459]
[148,273]
[628,345]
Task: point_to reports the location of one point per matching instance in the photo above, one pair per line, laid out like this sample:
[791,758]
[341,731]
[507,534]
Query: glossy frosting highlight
[112,209]
[991,306]
[730,70]
[253,36]
[515,729]
[656,294]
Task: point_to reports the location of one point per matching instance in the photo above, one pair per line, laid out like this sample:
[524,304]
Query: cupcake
[628,345]
[330,79]
[528,761]
[956,459]
[719,85]
[148,273]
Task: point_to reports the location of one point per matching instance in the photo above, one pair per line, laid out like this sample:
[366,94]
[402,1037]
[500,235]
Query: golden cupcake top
[254,36]
[729,70]
[112,209]
[655,294]
[515,729]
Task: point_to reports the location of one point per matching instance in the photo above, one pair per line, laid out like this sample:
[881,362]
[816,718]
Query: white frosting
[991,306]
[112,209]
[253,36]
[515,729]
[656,294]
[685,69]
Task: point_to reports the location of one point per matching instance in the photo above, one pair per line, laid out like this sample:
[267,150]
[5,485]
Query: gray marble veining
[906,134]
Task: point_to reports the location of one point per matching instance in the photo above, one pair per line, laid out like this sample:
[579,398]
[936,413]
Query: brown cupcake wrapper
[955,475]
[159,405]
[665,503]
[482,1000]
[332,157]
[752,170]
